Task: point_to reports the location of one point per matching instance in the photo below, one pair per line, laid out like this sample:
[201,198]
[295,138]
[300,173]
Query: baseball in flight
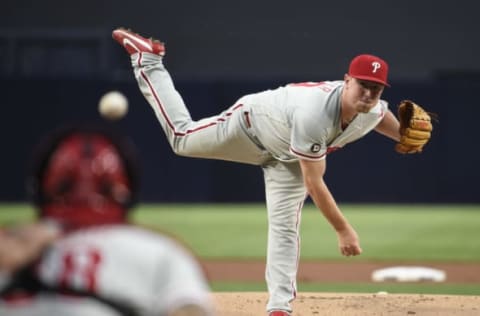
[113,105]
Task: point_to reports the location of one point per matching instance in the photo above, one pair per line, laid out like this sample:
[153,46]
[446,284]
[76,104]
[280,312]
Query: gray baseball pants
[227,136]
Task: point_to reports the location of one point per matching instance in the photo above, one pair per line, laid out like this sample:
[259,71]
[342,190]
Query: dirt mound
[312,304]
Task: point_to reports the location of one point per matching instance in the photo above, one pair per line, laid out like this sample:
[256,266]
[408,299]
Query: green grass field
[427,233]
[434,233]
[387,232]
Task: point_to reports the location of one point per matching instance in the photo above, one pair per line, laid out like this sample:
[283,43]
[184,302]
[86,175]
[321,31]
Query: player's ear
[347,78]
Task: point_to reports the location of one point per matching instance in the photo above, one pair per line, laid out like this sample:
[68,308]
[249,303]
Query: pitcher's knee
[184,151]
[179,151]
[285,234]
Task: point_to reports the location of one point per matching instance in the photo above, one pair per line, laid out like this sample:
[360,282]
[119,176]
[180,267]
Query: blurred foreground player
[82,257]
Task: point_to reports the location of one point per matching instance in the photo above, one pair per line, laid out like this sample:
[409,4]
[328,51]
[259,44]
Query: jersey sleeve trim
[307,157]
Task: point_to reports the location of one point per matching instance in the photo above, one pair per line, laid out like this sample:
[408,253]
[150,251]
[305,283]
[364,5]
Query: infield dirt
[335,304]
[343,304]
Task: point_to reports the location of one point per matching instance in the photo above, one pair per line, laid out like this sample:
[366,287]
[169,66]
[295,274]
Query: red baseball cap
[369,67]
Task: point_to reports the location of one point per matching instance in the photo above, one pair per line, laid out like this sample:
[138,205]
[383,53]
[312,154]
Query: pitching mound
[312,304]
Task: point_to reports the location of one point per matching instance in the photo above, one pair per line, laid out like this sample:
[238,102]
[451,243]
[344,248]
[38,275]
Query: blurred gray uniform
[272,129]
[145,272]
[52,304]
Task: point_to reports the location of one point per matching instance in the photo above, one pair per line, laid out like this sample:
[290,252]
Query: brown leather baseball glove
[415,127]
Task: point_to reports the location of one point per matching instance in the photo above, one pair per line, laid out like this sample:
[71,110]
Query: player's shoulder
[378,110]
[314,94]
[318,86]
[128,243]
[114,234]
[382,105]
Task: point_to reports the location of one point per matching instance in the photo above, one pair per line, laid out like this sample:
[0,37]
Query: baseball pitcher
[288,132]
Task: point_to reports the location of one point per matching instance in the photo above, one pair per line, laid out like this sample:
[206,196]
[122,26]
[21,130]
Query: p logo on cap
[369,67]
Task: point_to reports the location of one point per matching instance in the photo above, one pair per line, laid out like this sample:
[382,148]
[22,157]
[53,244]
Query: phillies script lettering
[323,85]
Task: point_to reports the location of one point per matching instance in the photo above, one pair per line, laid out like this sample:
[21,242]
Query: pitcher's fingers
[357,250]
[350,250]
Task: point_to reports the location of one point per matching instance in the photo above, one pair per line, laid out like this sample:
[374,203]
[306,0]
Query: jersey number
[79,269]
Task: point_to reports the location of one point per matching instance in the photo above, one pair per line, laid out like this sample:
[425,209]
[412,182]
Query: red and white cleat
[135,43]
[278,313]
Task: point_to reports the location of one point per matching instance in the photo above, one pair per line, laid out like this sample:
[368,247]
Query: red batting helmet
[84,176]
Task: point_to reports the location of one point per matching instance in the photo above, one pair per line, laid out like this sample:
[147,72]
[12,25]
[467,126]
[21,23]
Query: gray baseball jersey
[146,271]
[302,120]
[272,129]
